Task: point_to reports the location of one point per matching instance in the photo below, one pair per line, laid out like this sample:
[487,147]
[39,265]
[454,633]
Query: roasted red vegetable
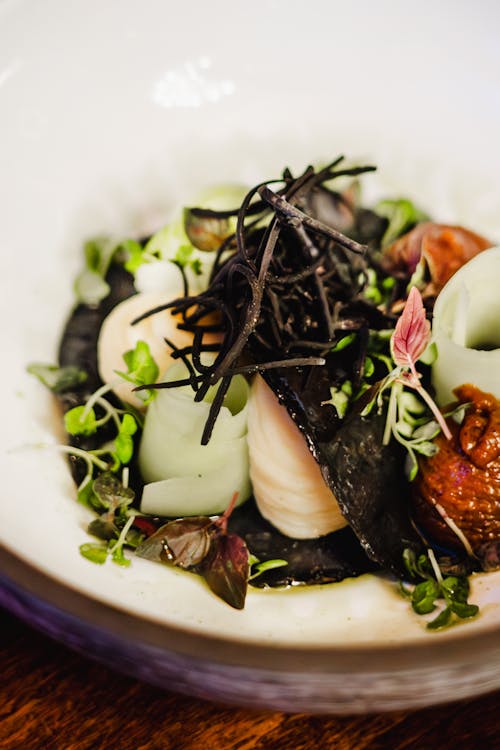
[463,478]
[441,249]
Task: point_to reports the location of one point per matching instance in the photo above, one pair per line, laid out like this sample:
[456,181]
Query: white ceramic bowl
[112,115]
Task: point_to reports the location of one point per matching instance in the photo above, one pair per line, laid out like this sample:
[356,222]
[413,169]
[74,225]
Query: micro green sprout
[408,342]
[141,370]
[406,420]
[58,379]
[434,591]
[340,398]
[184,259]
[258,568]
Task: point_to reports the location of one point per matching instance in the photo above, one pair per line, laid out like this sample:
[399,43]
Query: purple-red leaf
[412,332]
[226,569]
[184,542]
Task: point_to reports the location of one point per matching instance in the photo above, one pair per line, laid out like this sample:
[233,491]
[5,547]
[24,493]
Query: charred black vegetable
[325,560]
[366,477]
[371,488]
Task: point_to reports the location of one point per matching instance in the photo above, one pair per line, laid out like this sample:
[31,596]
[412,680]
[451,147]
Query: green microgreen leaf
[90,285]
[402,215]
[116,548]
[346,388]
[403,429]
[369,367]
[411,465]
[463,610]
[135,255]
[96,553]
[98,252]
[90,288]
[118,557]
[386,361]
[417,567]
[388,283]
[363,388]
[141,369]
[441,621]
[424,595]
[81,421]
[114,541]
[433,591]
[111,493]
[124,442]
[85,492]
[426,448]
[370,284]
[196,266]
[344,342]
[373,294]
[103,528]
[134,537]
[339,399]
[456,588]
[184,258]
[410,404]
[140,363]
[258,568]
[58,379]
[183,255]
[405,589]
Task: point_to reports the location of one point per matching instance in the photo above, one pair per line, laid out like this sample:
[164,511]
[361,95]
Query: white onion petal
[288,485]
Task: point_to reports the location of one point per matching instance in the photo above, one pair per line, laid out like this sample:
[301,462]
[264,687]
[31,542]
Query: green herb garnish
[112,499]
[81,421]
[258,568]
[58,379]
[141,369]
[402,215]
[90,285]
[451,592]
[124,443]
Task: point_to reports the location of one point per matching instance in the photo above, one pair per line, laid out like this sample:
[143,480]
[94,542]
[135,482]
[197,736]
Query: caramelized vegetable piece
[463,478]
[438,249]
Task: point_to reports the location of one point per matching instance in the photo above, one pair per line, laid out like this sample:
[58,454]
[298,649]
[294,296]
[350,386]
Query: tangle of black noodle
[284,279]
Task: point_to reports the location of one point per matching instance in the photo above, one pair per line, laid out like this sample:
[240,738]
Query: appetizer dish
[255,393]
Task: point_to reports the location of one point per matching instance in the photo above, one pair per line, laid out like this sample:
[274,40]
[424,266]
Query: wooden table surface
[53,699]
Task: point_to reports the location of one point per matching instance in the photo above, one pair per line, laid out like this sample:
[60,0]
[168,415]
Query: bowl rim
[465,649]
